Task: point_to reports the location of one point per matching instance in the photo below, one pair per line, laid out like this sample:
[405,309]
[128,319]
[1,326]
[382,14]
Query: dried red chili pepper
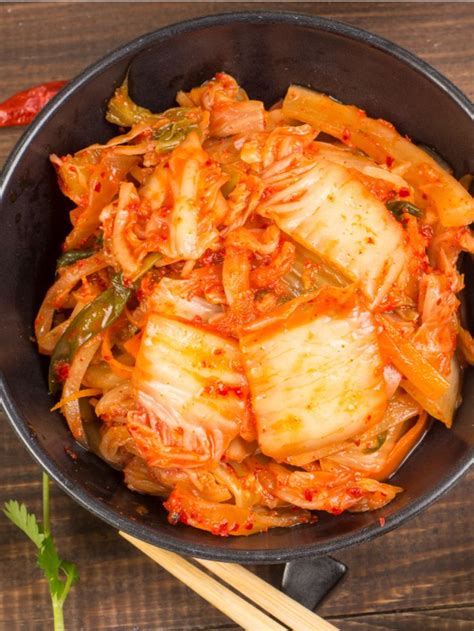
[21,108]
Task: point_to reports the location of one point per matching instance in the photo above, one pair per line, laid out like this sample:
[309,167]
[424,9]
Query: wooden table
[418,577]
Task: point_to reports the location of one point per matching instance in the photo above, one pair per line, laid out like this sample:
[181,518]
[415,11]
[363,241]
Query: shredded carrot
[117,367]
[132,345]
[80,394]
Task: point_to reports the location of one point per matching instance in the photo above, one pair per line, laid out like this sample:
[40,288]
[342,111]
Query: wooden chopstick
[236,608]
[268,597]
[232,605]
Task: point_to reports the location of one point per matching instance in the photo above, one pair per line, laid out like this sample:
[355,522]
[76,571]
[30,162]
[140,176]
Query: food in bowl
[255,311]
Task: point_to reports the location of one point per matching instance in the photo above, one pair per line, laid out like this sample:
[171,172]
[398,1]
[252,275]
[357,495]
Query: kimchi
[256,311]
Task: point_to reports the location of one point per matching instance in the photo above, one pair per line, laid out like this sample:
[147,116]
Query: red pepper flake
[346,134]
[223,389]
[97,187]
[221,529]
[355,491]
[61,370]
[336,511]
[382,522]
[248,525]
[21,108]
[218,351]
[389,161]
[212,258]
[404,192]
[72,454]
[308,495]
[427,231]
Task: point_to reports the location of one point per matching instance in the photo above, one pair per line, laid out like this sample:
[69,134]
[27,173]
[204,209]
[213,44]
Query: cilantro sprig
[61,575]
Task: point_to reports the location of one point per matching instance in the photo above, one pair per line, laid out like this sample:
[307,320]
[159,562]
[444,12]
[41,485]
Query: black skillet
[265,51]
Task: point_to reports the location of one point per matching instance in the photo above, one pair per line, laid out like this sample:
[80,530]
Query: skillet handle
[310,580]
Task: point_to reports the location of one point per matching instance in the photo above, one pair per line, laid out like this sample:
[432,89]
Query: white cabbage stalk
[332,214]
[363,164]
[188,381]
[316,377]
[170,297]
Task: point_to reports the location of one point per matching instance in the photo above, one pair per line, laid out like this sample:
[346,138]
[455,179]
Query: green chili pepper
[72,256]
[93,319]
[90,321]
[381,438]
[398,207]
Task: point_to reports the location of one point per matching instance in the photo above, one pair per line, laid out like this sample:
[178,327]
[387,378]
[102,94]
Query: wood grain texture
[418,577]
[461,618]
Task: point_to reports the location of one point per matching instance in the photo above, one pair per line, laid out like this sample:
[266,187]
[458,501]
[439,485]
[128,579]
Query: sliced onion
[58,293]
[73,383]
[49,341]
[118,397]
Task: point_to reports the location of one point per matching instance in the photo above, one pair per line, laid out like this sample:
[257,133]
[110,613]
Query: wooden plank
[83,32]
[425,564]
[461,619]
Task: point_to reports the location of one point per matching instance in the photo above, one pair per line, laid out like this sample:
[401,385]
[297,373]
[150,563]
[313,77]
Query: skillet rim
[19,424]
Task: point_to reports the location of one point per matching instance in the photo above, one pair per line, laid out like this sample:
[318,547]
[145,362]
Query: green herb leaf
[70,571]
[49,562]
[48,558]
[398,207]
[19,515]
[72,257]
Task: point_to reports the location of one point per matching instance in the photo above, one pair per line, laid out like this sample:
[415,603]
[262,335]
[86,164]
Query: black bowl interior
[265,52]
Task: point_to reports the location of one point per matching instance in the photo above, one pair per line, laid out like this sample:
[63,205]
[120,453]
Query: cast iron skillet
[266,52]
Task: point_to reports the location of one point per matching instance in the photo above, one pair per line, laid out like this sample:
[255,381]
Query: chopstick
[233,606]
[268,597]
[282,607]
